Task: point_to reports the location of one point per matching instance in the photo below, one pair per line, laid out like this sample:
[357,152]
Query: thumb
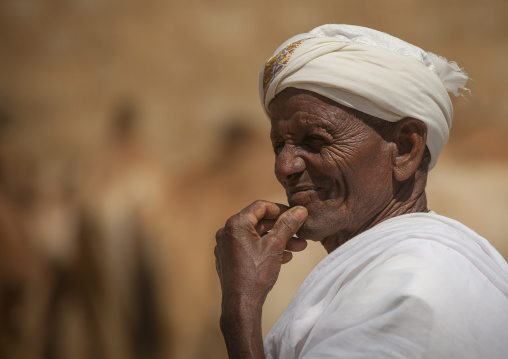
[288,224]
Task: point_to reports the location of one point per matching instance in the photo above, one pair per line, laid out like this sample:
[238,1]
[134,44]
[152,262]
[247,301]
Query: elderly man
[358,117]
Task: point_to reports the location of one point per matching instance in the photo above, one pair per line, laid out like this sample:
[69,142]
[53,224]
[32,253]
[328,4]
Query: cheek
[344,160]
[331,164]
[337,155]
[339,168]
[370,189]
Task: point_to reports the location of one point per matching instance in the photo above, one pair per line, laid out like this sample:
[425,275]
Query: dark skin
[341,178]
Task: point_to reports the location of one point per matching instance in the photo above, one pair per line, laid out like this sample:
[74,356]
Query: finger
[296,244]
[286,257]
[250,216]
[287,225]
[264,210]
[265,225]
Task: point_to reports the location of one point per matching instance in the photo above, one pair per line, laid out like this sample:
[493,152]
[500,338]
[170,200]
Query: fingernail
[299,212]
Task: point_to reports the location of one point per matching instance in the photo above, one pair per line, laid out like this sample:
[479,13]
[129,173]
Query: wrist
[241,310]
[240,324]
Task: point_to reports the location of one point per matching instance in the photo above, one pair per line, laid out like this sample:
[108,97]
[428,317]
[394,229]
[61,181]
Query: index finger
[264,210]
[287,225]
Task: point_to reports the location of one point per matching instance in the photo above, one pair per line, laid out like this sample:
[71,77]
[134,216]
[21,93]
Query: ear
[410,138]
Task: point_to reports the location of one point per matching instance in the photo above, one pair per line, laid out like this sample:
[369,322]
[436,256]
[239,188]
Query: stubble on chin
[325,230]
[310,230]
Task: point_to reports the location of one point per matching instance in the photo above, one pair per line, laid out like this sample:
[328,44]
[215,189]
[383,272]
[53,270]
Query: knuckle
[219,234]
[229,232]
[232,232]
[257,206]
[232,221]
[257,203]
[243,217]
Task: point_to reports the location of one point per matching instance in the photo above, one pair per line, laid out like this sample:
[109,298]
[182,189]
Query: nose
[288,163]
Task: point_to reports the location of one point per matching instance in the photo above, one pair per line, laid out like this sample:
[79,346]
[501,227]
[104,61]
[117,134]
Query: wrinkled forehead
[305,110]
[293,100]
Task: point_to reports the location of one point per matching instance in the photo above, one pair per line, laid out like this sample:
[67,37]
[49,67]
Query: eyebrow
[303,118]
[321,125]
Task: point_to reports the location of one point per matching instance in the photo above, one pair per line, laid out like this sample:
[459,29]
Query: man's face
[333,164]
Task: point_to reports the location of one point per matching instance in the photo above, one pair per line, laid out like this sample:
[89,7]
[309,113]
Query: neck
[409,197]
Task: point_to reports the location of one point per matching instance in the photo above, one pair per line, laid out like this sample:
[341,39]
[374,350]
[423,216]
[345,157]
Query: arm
[248,262]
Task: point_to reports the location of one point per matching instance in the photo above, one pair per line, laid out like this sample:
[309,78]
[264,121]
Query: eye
[316,141]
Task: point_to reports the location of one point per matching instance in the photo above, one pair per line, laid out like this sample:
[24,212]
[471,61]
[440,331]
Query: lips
[300,195]
[300,188]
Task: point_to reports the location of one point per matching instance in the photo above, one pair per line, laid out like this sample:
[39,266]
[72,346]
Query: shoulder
[409,253]
[423,283]
[436,267]
[424,235]
[432,251]
[427,291]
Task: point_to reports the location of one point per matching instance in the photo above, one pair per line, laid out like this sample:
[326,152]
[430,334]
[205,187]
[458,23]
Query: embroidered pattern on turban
[370,71]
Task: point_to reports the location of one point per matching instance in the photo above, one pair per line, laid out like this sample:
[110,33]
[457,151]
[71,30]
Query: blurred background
[131,130]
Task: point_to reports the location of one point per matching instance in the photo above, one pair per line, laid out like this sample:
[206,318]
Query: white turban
[370,71]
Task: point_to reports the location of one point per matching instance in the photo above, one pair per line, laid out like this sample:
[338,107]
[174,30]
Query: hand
[248,257]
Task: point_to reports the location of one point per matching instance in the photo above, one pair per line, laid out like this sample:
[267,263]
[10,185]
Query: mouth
[300,195]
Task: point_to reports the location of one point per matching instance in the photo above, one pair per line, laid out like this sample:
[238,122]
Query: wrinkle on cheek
[343,153]
[342,156]
[348,142]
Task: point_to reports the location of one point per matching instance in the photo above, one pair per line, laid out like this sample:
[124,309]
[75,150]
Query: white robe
[415,286]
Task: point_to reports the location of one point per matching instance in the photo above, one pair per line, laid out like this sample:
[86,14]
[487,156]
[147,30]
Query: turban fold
[369,71]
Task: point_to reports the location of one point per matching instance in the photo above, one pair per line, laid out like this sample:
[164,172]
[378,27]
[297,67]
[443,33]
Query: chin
[320,224]
[309,232]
